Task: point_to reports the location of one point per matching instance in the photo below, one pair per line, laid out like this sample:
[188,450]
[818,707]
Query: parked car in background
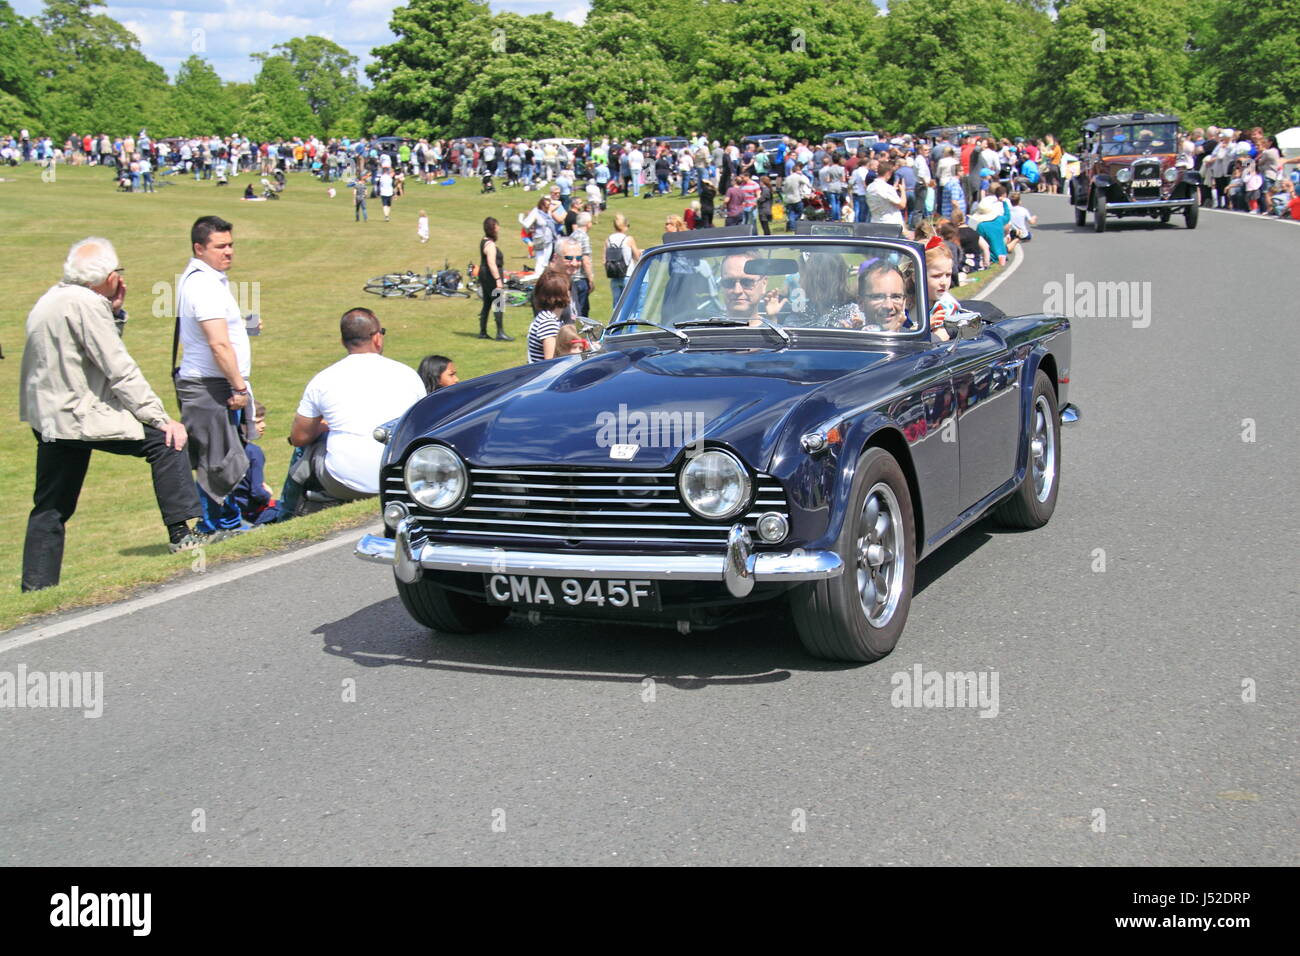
[850,141]
[1128,166]
[769,425]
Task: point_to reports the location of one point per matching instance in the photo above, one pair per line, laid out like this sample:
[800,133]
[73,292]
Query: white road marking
[201,583]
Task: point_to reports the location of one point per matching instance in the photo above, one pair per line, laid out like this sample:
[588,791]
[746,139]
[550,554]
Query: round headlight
[435,477]
[714,485]
[1171,174]
[1123,175]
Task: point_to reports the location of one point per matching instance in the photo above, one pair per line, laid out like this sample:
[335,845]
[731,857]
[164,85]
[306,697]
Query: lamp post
[590,111]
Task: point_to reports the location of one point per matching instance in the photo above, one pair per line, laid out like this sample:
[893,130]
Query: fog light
[773,527]
[394,513]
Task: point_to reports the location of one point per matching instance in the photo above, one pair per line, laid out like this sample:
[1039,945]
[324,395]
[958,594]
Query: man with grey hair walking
[83,392]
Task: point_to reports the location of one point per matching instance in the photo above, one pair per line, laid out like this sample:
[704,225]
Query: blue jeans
[662,188]
[616,287]
[860,213]
[636,182]
[793,211]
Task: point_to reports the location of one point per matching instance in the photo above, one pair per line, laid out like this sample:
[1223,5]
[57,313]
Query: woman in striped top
[550,296]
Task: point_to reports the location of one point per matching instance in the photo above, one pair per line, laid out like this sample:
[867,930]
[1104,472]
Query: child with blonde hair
[939,268]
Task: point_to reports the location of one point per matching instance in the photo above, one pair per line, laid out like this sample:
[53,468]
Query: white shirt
[355,395]
[635,159]
[859,179]
[385,184]
[882,202]
[204,295]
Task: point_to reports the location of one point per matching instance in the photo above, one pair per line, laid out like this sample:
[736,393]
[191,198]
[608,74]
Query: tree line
[656,67]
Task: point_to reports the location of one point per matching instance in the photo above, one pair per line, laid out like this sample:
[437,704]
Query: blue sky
[229,30]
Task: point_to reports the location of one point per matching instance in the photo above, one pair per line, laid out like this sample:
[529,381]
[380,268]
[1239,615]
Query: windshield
[859,286]
[1139,138]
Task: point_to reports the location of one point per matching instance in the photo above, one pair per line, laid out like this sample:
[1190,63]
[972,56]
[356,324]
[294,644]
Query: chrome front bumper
[739,568]
[1151,204]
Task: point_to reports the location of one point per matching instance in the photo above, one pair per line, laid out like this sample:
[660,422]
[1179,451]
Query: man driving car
[747,296]
[885,298]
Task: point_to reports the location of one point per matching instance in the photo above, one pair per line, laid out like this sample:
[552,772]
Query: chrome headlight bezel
[1171,174]
[737,478]
[428,461]
[1123,175]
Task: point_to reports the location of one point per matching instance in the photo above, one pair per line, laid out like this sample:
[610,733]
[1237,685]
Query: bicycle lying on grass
[446,282]
[518,286]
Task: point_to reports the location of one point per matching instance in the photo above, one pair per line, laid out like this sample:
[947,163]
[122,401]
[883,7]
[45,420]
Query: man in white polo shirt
[212,380]
[343,404]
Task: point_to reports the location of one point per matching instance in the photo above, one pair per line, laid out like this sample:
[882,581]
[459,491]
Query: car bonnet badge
[623,452]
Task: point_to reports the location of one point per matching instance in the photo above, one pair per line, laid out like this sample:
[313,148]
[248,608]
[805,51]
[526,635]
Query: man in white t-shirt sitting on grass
[340,409]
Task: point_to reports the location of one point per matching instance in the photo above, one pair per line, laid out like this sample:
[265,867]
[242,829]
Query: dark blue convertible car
[768,421]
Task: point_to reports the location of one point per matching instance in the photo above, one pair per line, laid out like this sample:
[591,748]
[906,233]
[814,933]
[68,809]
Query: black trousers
[60,471]
[491,303]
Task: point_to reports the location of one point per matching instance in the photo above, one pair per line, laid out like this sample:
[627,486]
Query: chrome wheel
[881,557]
[1042,450]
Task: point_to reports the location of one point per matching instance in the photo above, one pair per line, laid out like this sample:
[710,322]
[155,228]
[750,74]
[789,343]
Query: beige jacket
[78,380]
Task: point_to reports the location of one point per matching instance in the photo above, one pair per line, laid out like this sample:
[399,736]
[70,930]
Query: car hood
[572,411]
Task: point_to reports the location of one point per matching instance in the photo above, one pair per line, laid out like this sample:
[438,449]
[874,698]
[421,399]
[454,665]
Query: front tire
[860,615]
[1099,221]
[1190,215]
[451,612]
[1032,504]
[1080,215]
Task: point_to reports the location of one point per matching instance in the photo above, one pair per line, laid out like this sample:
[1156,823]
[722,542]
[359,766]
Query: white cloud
[232,29]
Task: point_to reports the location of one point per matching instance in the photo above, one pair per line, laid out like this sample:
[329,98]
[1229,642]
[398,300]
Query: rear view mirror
[771,267]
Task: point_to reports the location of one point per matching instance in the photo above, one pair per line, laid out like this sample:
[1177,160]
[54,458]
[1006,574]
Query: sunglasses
[120,270]
[573,258]
[382,331]
[744,283]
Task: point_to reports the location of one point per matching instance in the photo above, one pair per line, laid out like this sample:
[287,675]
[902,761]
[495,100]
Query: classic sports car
[1129,167]
[768,420]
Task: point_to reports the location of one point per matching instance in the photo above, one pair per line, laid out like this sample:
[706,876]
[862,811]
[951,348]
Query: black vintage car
[1128,166]
[771,421]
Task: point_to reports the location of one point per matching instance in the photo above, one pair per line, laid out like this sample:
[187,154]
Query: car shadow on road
[952,554]
[382,635]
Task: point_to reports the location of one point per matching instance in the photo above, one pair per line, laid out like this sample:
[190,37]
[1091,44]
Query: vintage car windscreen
[1139,138]
[860,286]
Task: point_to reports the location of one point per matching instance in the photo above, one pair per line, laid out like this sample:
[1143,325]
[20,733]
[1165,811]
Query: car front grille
[1146,171]
[554,509]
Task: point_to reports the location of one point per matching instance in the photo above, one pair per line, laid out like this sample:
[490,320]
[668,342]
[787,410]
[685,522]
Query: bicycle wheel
[410,289]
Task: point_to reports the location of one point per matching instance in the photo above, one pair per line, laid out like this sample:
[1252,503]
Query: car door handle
[1009,366]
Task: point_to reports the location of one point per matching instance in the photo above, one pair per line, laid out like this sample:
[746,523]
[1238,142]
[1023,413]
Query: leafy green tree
[415,78]
[327,74]
[22,46]
[277,108]
[200,103]
[801,67]
[1249,59]
[1101,58]
[624,75]
[948,62]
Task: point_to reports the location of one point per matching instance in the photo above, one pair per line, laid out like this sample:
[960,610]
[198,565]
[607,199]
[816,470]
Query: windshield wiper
[731,321]
[662,328]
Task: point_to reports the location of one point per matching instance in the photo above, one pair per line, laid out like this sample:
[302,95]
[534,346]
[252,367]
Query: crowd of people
[83,392]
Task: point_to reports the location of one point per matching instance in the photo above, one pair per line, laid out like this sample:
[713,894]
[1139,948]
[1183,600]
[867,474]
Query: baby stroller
[488,185]
[815,207]
[271,190]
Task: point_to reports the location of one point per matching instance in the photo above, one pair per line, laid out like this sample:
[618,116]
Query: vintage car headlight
[715,485]
[1171,174]
[435,477]
[1123,175]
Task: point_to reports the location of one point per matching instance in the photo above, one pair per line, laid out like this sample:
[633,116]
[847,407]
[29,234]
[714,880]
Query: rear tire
[845,618]
[1032,504]
[451,612]
[1190,215]
[1099,214]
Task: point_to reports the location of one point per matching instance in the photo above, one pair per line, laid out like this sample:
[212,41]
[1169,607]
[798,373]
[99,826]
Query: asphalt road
[1120,692]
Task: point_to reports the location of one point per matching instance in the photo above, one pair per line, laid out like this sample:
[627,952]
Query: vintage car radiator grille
[1146,171]
[553,508]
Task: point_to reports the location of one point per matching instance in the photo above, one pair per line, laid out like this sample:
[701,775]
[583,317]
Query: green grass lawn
[309,260]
